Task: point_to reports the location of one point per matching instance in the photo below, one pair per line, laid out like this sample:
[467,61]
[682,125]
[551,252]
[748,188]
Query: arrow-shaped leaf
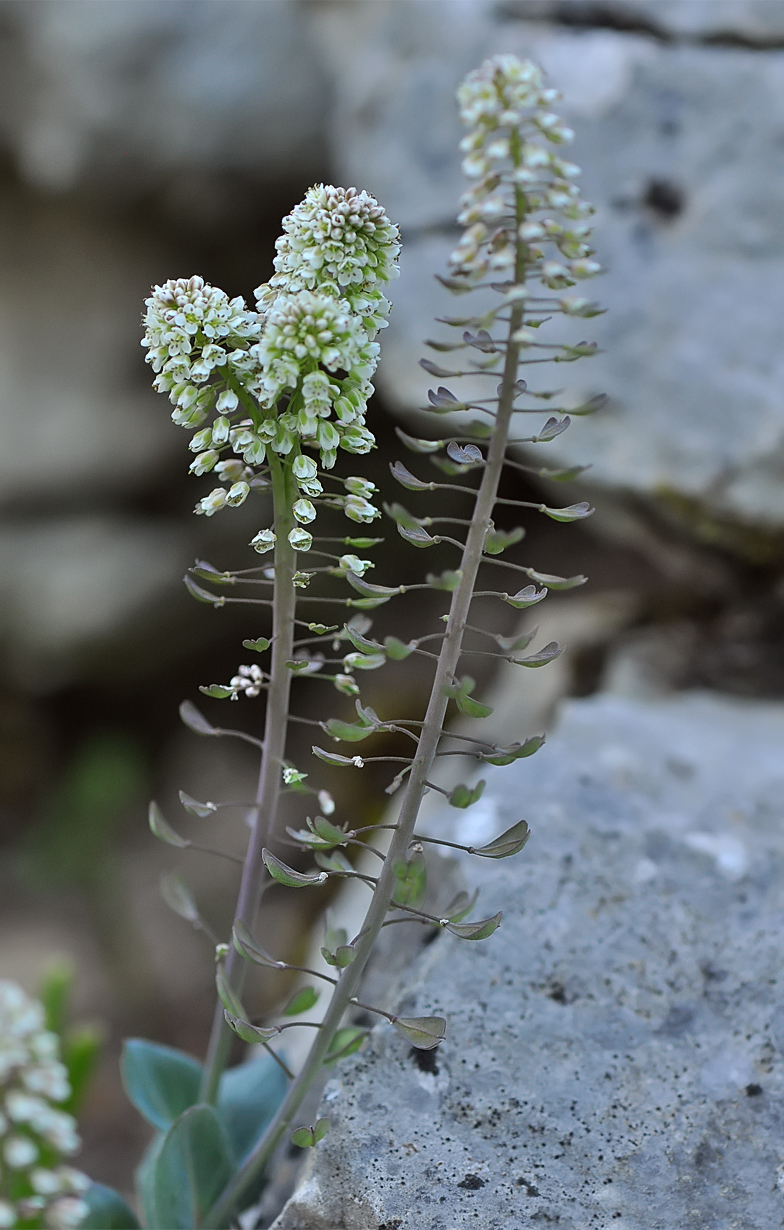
[422,1032]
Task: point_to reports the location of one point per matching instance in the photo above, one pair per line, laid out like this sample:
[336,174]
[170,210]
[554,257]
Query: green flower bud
[304,467]
[204,462]
[358,509]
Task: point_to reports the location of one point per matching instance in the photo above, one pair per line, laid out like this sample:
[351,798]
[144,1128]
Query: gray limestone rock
[681,143]
[614,1052]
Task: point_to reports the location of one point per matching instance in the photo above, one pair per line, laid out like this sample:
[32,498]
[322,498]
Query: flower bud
[352,563]
[358,509]
[304,467]
[227,401]
[360,486]
[204,462]
[220,430]
[347,685]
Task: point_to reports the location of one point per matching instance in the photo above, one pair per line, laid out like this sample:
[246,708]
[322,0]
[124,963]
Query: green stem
[275,724]
[448,661]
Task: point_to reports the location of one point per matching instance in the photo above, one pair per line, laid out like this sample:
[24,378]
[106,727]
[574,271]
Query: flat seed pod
[552,428]
[201,595]
[407,479]
[162,830]
[415,445]
[517,751]
[422,1032]
[191,717]
[217,691]
[559,583]
[284,874]
[249,1033]
[497,541]
[259,645]
[548,654]
[202,810]
[227,997]
[464,796]
[508,843]
[574,512]
[247,947]
[303,1001]
[528,596]
[177,896]
[332,757]
[480,930]
[348,732]
[465,454]
[345,1042]
[417,536]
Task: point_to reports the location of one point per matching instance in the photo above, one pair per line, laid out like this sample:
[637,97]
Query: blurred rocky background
[145,139]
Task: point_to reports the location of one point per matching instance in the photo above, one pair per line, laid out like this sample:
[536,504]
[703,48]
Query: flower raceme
[515,172]
[293,375]
[35,1133]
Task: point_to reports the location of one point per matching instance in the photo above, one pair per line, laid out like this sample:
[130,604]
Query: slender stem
[430,736]
[265,808]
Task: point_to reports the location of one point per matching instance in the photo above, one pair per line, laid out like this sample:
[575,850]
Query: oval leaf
[510,842]
[284,874]
[160,1081]
[192,1169]
[422,1032]
[162,830]
[108,1210]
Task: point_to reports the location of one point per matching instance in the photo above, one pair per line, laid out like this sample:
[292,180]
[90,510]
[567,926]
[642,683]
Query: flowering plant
[273,397]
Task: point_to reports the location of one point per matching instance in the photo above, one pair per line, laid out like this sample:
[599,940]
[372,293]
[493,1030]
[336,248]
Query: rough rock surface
[681,145]
[614,1052]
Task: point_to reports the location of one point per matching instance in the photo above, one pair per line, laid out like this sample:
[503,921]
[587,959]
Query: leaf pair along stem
[262,814]
[431,733]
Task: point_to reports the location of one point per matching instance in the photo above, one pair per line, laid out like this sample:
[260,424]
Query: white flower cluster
[193,331]
[299,367]
[35,1188]
[522,188]
[339,242]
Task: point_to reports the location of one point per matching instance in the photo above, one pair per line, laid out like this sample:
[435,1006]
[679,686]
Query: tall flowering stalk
[273,396]
[37,1188]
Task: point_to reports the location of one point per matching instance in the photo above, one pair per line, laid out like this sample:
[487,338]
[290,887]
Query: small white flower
[304,467]
[237,494]
[66,1213]
[326,802]
[19,1152]
[264,541]
[292,777]
[359,509]
[7,1215]
[213,502]
[304,511]
[300,539]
